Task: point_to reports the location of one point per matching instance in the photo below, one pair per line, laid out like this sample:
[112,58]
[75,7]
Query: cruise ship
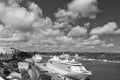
[69,68]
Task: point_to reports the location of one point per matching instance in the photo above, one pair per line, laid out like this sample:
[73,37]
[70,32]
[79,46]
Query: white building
[2,50]
[7,50]
[23,65]
[37,58]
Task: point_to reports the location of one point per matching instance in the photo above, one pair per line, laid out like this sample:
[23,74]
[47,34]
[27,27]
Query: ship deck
[53,74]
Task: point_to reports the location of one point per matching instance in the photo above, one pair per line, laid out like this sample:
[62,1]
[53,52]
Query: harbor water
[103,70]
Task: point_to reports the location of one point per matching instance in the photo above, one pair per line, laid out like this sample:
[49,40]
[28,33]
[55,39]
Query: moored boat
[69,68]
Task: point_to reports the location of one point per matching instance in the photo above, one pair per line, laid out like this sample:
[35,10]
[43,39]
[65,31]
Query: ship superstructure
[69,68]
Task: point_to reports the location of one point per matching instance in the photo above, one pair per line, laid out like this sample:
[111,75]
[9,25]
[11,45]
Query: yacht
[69,68]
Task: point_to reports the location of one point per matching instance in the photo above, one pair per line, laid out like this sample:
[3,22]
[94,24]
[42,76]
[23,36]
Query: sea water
[102,70]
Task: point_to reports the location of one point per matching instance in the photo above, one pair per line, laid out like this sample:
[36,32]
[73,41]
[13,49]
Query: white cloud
[18,17]
[109,28]
[43,24]
[94,37]
[64,39]
[51,33]
[117,31]
[26,27]
[1,27]
[110,45]
[85,8]
[18,21]
[65,16]
[77,31]
[19,37]
[6,31]
[92,42]
[78,9]
[88,47]
[58,25]
[87,25]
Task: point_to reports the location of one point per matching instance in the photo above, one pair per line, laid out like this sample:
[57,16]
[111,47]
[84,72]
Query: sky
[60,25]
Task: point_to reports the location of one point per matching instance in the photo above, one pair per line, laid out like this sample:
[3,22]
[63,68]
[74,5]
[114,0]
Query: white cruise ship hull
[71,74]
[80,76]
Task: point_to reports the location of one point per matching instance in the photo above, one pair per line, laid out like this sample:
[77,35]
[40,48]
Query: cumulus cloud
[64,39]
[78,9]
[108,45]
[58,25]
[77,31]
[92,42]
[51,33]
[43,24]
[27,26]
[6,31]
[87,25]
[93,37]
[85,8]
[109,28]
[20,37]
[18,17]
[117,31]
[1,28]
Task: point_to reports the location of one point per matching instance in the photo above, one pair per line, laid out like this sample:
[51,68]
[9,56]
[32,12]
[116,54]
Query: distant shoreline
[104,60]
